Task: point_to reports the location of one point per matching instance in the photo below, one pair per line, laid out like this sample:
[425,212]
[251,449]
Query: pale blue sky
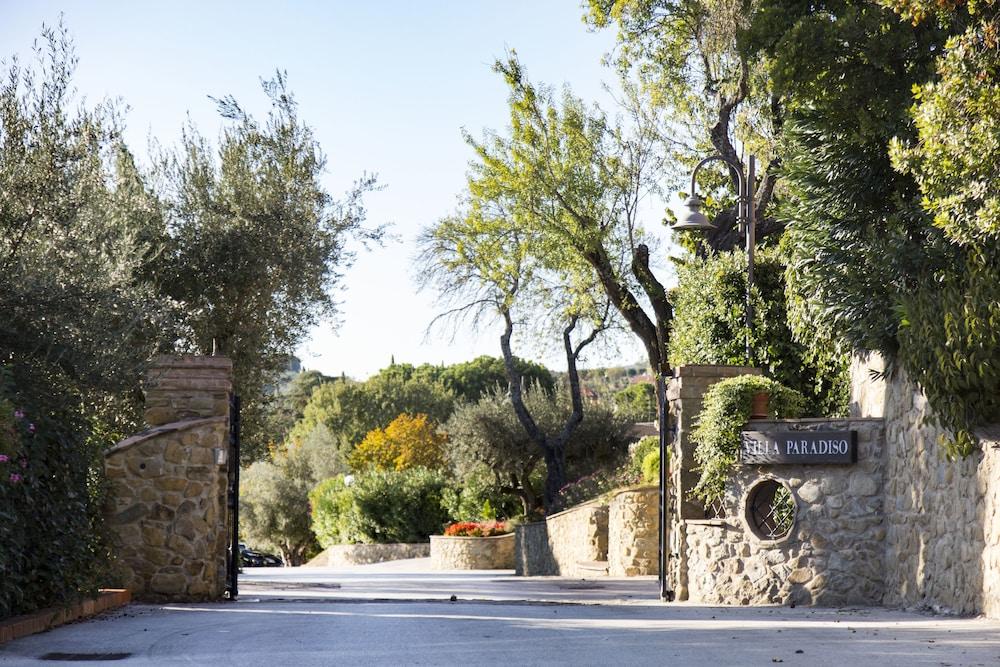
[387,86]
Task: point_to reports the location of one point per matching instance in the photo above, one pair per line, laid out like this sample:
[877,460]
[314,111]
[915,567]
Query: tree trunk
[555,479]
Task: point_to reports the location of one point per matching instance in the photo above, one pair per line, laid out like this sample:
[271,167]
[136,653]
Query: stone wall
[472,553]
[684,401]
[567,543]
[167,502]
[834,552]
[942,529]
[340,555]
[633,538]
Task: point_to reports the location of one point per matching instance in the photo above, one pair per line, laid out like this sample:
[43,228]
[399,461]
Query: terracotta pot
[758,406]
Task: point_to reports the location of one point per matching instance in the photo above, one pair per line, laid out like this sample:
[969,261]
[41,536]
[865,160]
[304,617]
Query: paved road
[292,622]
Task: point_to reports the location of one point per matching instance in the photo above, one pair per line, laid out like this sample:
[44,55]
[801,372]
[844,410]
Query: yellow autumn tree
[409,441]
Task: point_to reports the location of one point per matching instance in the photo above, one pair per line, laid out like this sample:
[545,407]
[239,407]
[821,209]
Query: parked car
[251,558]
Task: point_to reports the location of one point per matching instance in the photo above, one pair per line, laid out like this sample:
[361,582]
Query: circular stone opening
[770,510]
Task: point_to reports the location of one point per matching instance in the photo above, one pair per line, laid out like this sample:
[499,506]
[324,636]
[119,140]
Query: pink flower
[19,414]
[4,458]
[31,428]
[15,478]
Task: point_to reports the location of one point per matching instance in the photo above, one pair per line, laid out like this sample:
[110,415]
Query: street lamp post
[694,219]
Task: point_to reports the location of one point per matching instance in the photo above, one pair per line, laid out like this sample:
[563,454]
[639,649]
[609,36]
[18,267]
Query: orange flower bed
[477,529]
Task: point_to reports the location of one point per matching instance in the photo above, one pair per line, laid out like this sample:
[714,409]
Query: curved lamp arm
[733,166]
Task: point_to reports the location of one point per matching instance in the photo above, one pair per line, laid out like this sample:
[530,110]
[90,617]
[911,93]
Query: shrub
[709,328]
[639,452]
[273,508]
[651,468]
[52,546]
[637,402]
[477,529]
[407,442]
[330,504]
[379,507]
[726,409]
[479,497]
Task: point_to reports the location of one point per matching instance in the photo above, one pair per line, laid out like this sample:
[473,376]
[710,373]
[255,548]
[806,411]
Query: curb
[46,619]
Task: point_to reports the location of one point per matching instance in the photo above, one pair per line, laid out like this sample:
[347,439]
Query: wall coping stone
[596,502]
[635,489]
[714,370]
[156,431]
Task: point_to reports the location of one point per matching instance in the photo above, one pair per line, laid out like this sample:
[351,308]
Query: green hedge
[52,550]
[380,507]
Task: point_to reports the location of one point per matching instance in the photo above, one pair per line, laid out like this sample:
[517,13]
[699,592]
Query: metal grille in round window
[770,510]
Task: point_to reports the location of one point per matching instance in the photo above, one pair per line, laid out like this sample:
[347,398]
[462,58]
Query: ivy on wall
[726,409]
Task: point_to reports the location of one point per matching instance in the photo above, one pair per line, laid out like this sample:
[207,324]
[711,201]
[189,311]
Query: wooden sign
[799,447]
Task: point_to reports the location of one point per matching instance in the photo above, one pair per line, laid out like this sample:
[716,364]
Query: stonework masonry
[834,552]
[942,548]
[472,553]
[167,503]
[566,543]
[633,539]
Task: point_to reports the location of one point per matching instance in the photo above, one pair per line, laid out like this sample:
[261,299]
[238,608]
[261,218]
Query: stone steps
[593,567]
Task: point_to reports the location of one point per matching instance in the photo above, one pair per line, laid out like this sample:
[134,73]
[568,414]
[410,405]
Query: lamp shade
[692,219]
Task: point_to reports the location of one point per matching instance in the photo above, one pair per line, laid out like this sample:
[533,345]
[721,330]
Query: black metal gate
[233,499]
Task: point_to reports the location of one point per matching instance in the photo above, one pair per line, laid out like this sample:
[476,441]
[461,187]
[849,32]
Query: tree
[273,507]
[471,380]
[350,410]
[487,436]
[407,442]
[477,259]
[637,402]
[256,244]
[709,328]
[697,62]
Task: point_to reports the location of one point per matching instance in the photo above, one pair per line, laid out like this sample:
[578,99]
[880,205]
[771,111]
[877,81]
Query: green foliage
[52,543]
[380,507]
[709,327]
[725,412]
[273,507]
[330,504]
[640,451]
[651,468]
[479,497]
[488,433]
[350,410]
[637,402]
[257,244]
[471,380]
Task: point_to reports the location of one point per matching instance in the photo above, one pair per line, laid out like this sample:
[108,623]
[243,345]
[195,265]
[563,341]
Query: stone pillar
[187,387]
[684,399]
[167,507]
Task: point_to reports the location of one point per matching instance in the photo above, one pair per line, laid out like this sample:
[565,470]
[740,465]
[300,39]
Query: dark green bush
[709,328]
[52,546]
[637,402]
[380,507]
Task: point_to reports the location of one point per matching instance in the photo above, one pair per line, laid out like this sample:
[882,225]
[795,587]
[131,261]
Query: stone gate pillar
[685,391]
[167,506]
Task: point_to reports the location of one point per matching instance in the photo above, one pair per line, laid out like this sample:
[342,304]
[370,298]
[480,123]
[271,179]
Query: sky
[387,88]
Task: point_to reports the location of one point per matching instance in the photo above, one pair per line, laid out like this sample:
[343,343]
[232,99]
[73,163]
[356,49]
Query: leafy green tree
[256,243]
[274,512]
[488,435]
[637,402]
[350,410]
[709,328]
[471,380]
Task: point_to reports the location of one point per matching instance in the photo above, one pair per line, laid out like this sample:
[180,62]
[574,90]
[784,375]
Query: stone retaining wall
[565,543]
[472,553]
[942,527]
[633,537]
[341,555]
[834,552]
